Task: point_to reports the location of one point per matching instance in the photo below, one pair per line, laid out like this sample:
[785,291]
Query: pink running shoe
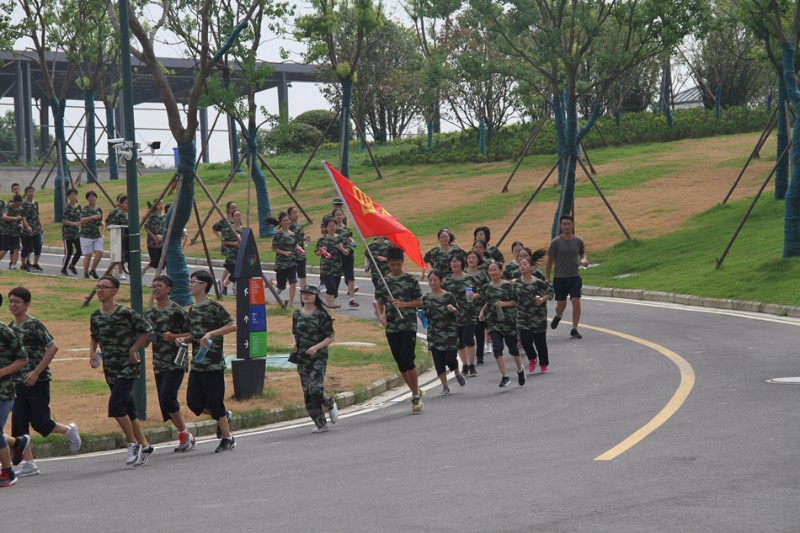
[543,369]
[532,365]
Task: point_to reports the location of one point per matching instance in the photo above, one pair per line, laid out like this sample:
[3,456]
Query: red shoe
[532,366]
[7,478]
[543,369]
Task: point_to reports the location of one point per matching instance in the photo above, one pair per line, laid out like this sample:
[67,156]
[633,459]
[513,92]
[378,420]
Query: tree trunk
[791,213]
[111,132]
[62,168]
[265,229]
[182,210]
[782,169]
[430,135]
[233,140]
[344,129]
[91,139]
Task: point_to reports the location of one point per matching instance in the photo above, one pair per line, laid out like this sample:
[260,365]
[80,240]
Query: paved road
[490,459]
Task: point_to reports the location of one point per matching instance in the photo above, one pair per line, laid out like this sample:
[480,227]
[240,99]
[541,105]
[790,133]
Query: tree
[554,37]
[339,40]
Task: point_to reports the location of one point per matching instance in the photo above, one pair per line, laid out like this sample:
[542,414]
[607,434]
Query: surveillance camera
[125,154]
[154,145]
[116,141]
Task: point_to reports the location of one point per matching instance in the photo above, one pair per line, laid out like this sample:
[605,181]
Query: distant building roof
[689,96]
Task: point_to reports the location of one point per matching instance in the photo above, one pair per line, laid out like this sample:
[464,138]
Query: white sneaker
[73,437]
[323,429]
[29,468]
[123,277]
[334,413]
[133,453]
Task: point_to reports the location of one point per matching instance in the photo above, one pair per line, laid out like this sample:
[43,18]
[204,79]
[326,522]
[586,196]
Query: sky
[151,122]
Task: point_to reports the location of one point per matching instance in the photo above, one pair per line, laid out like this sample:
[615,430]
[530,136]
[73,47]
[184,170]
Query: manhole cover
[785,381]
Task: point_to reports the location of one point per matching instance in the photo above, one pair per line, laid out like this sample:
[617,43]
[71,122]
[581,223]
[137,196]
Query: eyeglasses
[158,286]
[196,281]
[103,287]
[15,302]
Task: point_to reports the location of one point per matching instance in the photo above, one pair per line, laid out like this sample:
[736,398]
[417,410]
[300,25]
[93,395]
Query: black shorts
[402,345]
[120,403]
[331,284]
[301,268]
[286,274]
[348,266]
[167,384]
[206,390]
[155,255]
[442,360]
[32,409]
[497,344]
[32,244]
[466,336]
[9,243]
[565,286]
[230,266]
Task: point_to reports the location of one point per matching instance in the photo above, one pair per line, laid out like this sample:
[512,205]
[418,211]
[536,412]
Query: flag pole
[358,230]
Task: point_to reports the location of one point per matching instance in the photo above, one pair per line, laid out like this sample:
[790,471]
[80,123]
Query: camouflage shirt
[529,316]
[378,249]
[284,242]
[30,210]
[11,227]
[11,349]
[116,332]
[504,321]
[442,326]
[299,240]
[309,330]
[468,311]
[229,234]
[481,279]
[347,237]
[72,213]
[36,339]
[117,217]
[494,253]
[155,223]
[173,319]
[438,259]
[91,229]
[405,288]
[204,317]
[332,266]
[511,272]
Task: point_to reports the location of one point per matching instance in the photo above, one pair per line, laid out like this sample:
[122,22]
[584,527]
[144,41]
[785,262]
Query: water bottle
[500,314]
[200,356]
[98,361]
[181,356]
[299,250]
[423,318]
[325,253]
[470,293]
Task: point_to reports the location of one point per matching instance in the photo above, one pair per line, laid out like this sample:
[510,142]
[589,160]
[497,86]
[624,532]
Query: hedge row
[635,128]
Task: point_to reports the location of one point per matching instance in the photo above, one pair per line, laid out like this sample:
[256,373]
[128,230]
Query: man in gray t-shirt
[568,253]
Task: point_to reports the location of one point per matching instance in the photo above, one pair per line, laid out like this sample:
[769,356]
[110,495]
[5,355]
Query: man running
[32,235]
[13,358]
[12,222]
[568,252]
[91,237]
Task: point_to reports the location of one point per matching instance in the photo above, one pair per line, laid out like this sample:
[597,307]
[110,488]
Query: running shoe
[12,267]
[322,429]
[86,275]
[532,365]
[445,392]
[521,377]
[416,402]
[37,268]
[226,445]
[228,415]
[472,372]
[219,287]
[7,478]
[555,321]
[465,369]
[574,334]
[29,468]
[26,268]
[73,437]
[123,277]
[144,455]
[333,412]
[543,369]
[133,453]
[224,290]
[461,380]
[355,289]
[64,272]
[353,302]
[505,381]
[186,441]
[73,269]
[23,443]
[93,273]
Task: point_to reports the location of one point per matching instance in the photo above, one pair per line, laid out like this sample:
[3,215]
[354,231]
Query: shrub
[320,118]
[293,137]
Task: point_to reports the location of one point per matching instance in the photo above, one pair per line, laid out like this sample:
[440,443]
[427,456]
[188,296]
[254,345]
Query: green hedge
[635,128]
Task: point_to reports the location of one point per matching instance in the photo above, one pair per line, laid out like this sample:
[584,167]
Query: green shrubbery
[636,128]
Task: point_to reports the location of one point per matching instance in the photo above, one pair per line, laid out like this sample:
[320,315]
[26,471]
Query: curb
[255,419]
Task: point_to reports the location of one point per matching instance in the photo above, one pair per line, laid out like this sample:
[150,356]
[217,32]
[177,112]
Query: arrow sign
[246,344]
[247,292]
[246,319]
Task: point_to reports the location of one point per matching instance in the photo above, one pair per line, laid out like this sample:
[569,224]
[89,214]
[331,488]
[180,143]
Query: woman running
[531,296]
[465,290]
[483,233]
[477,269]
[348,260]
[511,271]
[71,232]
[330,250]
[283,244]
[441,310]
[438,258]
[500,313]
[300,244]
[154,226]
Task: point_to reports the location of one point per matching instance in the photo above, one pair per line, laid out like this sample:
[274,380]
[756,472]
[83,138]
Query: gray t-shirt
[566,254]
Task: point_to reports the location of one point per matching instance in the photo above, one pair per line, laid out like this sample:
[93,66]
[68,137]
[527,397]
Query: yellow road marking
[675,403]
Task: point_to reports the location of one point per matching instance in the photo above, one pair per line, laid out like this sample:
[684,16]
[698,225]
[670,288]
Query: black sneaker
[521,377]
[26,268]
[554,323]
[480,361]
[226,445]
[219,429]
[93,273]
[465,370]
[472,371]
[461,380]
[37,267]
[64,272]
[86,275]
[22,444]
[73,269]
[505,381]
[574,334]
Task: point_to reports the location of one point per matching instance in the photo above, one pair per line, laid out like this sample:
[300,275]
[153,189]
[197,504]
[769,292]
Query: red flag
[371,219]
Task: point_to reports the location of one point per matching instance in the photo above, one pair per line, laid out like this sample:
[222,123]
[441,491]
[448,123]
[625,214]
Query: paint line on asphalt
[672,406]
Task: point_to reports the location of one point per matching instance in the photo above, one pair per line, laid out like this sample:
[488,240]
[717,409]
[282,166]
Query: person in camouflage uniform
[169,321]
[531,295]
[439,257]
[71,232]
[377,265]
[312,328]
[13,358]
[300,244]
[91,237]
[511,270]
[119,332]
[465,290]
[283,244]
[230,233]
[32,405]
[205,392]
[119,217]
[12,222]
[397,313]
[330,268]
[500,313]
[441,310]
[154,226]
[32,234]
[483,233]
[477,269]
[349,259]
